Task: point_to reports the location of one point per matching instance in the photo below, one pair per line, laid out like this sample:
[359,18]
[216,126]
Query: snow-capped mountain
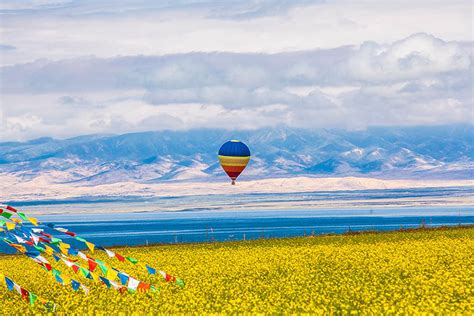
[411,152]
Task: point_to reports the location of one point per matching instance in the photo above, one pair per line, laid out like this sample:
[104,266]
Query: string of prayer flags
[35,243]
[26,295]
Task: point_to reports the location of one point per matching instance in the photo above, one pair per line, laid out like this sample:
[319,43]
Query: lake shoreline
[250,241]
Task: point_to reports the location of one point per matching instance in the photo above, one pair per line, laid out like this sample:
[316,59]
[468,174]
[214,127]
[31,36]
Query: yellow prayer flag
[18,247]
[33,221]
[16,220]
[94,277]
[48,250]
[91,246]
[66,279]
[64,247]
[10,226]
[111,274]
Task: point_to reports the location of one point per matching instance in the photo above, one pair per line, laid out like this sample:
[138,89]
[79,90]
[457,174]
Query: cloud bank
[417,80]
[79,67]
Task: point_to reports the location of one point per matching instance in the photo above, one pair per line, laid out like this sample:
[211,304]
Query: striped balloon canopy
[234,157]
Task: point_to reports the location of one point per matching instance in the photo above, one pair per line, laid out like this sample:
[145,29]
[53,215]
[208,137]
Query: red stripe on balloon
[233,168]
[233,175]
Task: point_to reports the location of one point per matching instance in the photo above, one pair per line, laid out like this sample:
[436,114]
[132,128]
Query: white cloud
[108,29]
[417,56]
[99,67]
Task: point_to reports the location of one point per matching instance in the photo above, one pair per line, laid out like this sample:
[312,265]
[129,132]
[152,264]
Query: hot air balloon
[234,157]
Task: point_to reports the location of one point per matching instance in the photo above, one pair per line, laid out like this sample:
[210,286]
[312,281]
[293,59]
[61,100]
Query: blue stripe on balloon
[234,149]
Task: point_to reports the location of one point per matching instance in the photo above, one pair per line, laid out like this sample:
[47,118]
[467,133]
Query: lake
[199,226]
[220,218]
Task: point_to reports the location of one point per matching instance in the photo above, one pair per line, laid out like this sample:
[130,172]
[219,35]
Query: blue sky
[79,67]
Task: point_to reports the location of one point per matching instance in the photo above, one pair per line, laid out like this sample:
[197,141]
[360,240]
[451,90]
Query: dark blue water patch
[130,229]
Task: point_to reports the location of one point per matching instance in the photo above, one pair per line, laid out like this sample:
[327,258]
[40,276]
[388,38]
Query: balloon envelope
[234,157]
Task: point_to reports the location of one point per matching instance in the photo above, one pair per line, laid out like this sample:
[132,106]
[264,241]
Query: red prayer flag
[143,286]
[11,209]
[25,294]
[46,235]
[170,278]
[75,268]
[44,240]
[92,265]
[70,234]
[119,257]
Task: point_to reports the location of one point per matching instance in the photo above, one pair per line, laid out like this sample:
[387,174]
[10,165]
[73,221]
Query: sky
[70,68]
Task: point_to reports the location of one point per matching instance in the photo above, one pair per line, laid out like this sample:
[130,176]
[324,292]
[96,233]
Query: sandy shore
[40,188]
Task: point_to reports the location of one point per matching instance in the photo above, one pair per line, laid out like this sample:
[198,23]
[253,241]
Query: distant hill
[445,152]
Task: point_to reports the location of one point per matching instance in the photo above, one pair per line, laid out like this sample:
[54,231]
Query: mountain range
[431,152]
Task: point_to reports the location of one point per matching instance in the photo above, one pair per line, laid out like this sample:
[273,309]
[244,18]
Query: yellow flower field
[409,272]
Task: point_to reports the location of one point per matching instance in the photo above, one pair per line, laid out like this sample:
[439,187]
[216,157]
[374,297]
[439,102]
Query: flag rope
[28,296]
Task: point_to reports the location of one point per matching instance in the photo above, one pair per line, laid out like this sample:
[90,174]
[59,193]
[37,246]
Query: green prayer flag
[102,267]
[132,260]
[2,222]
[180,282]
[55,240]
[55,272]
[40,249]
[85,272]
[22,216]
[32,298]
[6,215]
[80,239]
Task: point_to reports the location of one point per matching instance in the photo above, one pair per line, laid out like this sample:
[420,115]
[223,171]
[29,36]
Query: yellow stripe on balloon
[234,161]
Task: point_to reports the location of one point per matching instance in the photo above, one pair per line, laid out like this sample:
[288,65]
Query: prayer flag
[55,241]
[106,282]
[10,226]
[22,216]
[85,289]
[143,286]
[112,274]
[33,221]
[119,257]
[6,214]
[92,265]
[123,278]
[11,208]
[75,285]
[102,267]
[73,251]
[58,278]
[10,284]
[32,298]
[132,283]
[90,246]
[132,260]
[150,270]
[25,294]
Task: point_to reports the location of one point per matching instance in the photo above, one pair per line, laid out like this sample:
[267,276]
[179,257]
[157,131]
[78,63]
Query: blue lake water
[141,228]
